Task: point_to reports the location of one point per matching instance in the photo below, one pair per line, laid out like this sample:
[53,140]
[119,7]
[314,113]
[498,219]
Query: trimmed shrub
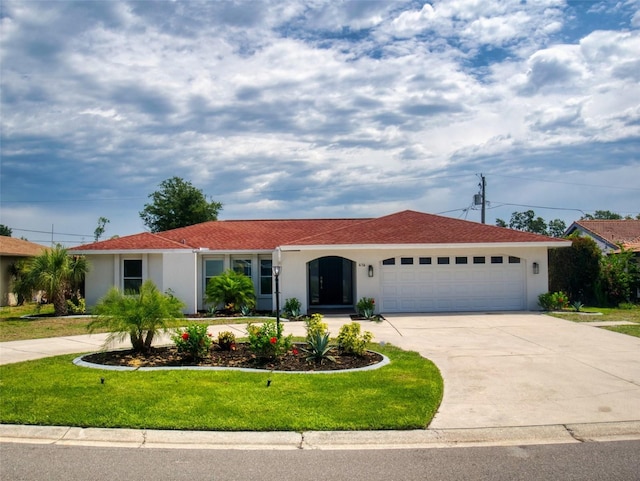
[351,341]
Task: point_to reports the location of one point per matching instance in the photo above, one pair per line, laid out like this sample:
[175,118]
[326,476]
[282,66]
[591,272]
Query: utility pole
[481,198]
[483,185]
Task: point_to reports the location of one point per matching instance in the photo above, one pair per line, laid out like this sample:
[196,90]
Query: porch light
[370,271]
[536,268]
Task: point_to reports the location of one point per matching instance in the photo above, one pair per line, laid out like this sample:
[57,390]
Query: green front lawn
[14,328]
[403,395]
[608,314]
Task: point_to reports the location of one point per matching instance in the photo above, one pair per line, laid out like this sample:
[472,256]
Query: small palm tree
[139,315]
[231,289]
[57,273]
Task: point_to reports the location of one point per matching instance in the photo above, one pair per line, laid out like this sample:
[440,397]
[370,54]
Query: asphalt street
[608,461]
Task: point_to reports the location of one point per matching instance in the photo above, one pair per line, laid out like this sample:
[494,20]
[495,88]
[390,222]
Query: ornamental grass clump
[317,345]
[193,341]
[351,341]
[266,342]
[318,348]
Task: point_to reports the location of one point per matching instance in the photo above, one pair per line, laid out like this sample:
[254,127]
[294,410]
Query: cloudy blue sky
[316,108]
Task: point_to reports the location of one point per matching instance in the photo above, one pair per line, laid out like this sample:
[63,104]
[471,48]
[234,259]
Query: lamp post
[276,274]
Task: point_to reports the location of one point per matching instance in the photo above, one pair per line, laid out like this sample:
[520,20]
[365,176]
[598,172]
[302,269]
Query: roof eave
[461,245]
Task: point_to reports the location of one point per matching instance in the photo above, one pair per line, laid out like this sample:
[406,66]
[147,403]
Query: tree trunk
[148,340]
[60,303]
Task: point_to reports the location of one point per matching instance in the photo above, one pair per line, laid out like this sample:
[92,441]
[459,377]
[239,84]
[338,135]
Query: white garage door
[450,284]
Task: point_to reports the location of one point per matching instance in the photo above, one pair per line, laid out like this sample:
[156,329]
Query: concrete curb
[321,440]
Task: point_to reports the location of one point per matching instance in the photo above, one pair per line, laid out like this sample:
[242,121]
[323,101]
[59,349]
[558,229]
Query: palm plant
[57,273]
[231,289]
[140,316]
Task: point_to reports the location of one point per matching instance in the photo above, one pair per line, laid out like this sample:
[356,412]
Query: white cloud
[294,108]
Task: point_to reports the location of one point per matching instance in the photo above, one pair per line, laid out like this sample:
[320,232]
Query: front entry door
[330,281]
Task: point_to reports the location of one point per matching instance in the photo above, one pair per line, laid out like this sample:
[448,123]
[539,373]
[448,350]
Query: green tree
[5,231]
[619,277]
[602,215]
[21,283]
[102,222]
[557,228]
[57,273]
[576,269]
[231,289]
[178,204]
[528,222]
[140,316]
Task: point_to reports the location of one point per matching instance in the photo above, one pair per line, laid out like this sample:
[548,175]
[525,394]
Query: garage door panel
[469,287]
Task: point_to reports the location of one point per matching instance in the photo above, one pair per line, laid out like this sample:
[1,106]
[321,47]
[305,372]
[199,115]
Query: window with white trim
[212,268]
[131,275]
[266,277]
[242,266]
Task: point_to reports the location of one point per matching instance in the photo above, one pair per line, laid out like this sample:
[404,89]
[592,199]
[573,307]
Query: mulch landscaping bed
[242,356]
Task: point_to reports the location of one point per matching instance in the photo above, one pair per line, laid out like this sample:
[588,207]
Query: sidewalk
[514,378]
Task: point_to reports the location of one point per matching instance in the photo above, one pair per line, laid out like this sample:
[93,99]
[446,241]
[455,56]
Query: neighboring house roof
[611,232]
[407,227]
[10,246]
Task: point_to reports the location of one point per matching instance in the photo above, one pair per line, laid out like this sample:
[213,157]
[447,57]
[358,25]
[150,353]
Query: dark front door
[330,281]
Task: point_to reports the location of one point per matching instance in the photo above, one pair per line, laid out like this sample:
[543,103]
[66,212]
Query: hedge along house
[407,262]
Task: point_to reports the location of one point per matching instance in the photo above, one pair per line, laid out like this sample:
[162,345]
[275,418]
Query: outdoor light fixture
[536,268]
[370,272]
[276,273]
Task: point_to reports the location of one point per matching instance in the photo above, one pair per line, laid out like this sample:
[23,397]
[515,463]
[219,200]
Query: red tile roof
[407,227]
[224,235]
[614,232]
[10,246]
[410,227]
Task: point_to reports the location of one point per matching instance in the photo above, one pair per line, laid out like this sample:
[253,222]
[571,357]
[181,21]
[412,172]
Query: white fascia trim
[484,245]
[203,251]
[131,251]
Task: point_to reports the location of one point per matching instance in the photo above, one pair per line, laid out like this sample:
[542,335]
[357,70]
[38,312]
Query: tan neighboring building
[12,250]
[608,234]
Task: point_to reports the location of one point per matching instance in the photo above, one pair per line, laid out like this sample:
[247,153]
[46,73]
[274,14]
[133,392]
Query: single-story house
[407,261]
[608,234]
[11,251]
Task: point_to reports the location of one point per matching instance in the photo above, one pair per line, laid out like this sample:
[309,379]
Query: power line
[566,183]
[51,232]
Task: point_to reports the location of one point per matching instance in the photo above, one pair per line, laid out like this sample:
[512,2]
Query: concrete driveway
[523,369]
[499,370]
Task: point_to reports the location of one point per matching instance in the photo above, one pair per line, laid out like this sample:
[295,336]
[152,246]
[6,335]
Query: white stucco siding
[180,274]
[99,279]
[173,271]
[517,282]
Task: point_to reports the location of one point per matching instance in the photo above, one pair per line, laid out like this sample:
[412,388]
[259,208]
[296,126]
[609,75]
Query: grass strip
[13,327]
[403,395]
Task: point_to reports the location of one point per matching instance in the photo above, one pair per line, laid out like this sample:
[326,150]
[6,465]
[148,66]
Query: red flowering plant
[193,341]
[265,342]
[366,307]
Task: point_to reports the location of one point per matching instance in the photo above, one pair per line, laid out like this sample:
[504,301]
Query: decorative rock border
[78,361]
